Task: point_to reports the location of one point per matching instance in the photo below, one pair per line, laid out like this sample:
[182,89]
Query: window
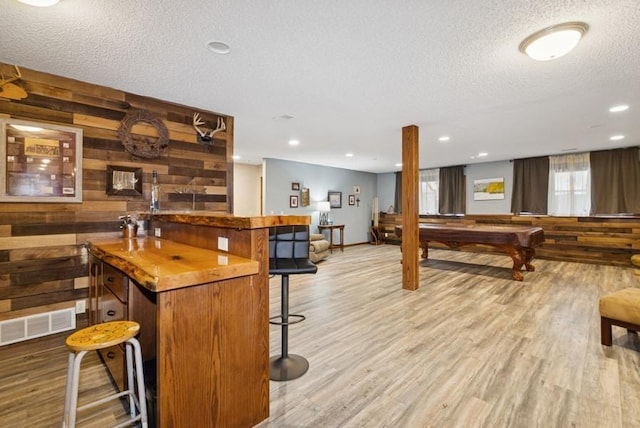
[428,197]
[569,185]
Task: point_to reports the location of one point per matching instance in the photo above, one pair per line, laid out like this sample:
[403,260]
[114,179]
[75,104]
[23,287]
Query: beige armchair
[318,247]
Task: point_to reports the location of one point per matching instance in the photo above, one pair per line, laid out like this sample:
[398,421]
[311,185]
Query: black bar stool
[288,255]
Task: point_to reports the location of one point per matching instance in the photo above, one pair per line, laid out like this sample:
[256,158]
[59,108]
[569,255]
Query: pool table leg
[518,257]
[425,249]
[529,253]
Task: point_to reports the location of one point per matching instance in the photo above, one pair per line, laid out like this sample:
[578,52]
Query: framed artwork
[488,189]
[352,199]
[304,194]
[293,201]
[356,190]
[40,162]
[295,186]
[335,199]
[125,181]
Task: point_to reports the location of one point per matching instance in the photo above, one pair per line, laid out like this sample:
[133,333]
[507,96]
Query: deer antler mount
[205,136]
[10,90]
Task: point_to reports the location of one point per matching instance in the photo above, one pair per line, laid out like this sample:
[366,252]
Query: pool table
[519,242]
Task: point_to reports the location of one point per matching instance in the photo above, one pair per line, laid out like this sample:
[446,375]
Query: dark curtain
[615,181]
[530,185]
[398,197]
[451,191]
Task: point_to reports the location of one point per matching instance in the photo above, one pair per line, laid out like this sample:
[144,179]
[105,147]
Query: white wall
[387,183]
[478,171]
[386,191]
[279,174]
[246,189]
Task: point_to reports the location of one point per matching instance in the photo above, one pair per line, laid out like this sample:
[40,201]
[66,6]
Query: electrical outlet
[81,306]
[157,232]
[223,243]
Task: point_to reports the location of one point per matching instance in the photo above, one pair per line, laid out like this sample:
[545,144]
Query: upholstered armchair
[318,247]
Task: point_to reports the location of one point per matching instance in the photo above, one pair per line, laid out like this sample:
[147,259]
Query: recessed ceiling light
[483,154]
[235,157]
[619,108]
[349,155]
[553,42]
[294,142]
[219,47]
[399,164]
[40,3]
[444,138]
[616,137]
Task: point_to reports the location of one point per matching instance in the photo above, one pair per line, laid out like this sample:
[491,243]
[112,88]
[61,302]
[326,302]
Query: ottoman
[621,308]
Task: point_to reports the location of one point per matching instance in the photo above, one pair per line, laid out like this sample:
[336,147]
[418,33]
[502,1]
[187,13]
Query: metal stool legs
[137,403]
[286,366]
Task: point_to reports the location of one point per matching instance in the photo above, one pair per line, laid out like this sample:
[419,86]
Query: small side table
[330,228]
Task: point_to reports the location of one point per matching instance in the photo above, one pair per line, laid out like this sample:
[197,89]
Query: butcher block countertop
[160,265]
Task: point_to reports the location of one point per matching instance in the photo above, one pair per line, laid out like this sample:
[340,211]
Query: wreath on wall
[143,145]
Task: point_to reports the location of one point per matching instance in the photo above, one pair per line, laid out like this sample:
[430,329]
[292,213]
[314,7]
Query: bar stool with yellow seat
[101,336]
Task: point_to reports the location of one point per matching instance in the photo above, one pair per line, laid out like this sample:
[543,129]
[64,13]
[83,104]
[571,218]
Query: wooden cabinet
[113,297]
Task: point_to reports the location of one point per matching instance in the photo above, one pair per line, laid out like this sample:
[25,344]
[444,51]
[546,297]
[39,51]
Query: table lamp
[324,207]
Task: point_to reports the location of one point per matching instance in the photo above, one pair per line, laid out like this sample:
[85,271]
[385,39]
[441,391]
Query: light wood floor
[470,348]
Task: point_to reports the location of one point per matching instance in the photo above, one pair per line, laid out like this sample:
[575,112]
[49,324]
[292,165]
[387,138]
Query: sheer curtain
[428,188]
[569,185]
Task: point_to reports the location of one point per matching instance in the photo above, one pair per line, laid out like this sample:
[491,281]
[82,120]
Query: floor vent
[32,326]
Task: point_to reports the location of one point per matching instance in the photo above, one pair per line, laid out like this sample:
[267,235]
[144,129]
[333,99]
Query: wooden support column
[410,160]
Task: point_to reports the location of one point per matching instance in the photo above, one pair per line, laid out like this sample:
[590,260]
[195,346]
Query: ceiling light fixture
[444,138]
[617,109]
[553,42]
[235,157]
[483,154]
[294,142]
[219,47]
[616,137]
[349,155]
[40,3]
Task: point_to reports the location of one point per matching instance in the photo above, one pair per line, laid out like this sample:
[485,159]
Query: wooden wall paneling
[33,231]
[597,240]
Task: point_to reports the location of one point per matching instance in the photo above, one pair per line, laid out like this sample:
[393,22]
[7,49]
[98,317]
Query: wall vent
[32,326]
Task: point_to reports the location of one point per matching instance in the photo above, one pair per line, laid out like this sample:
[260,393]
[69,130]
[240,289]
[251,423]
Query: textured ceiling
[352,73]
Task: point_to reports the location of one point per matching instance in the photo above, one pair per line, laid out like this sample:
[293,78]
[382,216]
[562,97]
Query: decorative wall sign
[488,189]
[335,199]
[40,162]
[293,201]
[124,181]
[144,146]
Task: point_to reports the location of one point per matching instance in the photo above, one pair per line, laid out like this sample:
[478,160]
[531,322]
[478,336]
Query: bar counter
[161,265]
[204,312]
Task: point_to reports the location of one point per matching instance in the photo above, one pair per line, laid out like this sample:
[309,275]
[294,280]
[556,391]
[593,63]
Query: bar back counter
[204,313]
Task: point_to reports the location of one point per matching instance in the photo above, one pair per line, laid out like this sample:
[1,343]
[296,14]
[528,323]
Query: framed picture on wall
[293,201]
[40,162]
[352,199]
[295,186]
[304,194]
[335,199]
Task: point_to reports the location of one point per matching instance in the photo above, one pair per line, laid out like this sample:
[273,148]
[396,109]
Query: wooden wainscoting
[598,240]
